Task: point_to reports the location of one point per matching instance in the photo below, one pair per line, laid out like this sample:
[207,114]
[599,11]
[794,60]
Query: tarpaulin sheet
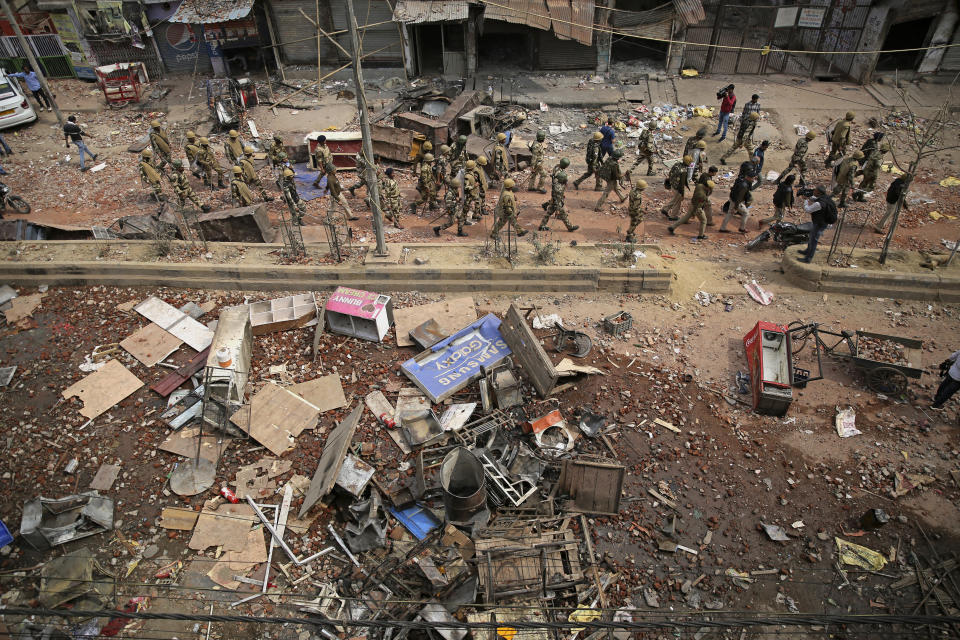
[303,177]
[456,361]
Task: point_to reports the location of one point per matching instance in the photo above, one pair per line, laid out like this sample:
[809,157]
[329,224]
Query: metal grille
[110,52]
[48,49]
[297,37]
[555,53]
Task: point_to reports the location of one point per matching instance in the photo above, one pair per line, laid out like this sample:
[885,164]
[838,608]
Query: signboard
[458,360]
[811,18]
[786,17]
[73,43]
[358,313]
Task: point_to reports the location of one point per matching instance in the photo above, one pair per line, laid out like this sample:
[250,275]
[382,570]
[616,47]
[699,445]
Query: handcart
[122,83]
[888,378]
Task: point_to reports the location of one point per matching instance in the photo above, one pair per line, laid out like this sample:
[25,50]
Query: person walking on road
[823,213]
[72,132]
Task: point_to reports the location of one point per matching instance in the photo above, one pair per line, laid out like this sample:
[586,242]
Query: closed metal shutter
[385,35]
[555,53]
[295,35]
[110,52]
[917,9]
[951,59]
[179,45]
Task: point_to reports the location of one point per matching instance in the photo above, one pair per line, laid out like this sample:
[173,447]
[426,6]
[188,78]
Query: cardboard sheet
[325,392]
[239,562]
[103,388]
[176,322]
[22,307]
[151,344]
[226,527]
[184,443]
[451,315]
[277,416]
[106,476]
[178,518]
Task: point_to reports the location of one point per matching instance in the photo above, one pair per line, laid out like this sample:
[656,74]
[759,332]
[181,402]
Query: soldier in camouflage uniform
[150,175]
[390,198]
[501,159]
[798,159]
[471,192]
[634,208]
[336,191]
[610,172]
[458,155]
[181,187]
[506,211]
[677,180]
[701,195]
[691,143]
[744,136]
[480,172]
[362,167]
[441,163]
[840,138]
[843,177]
[426,186]
[250,175]
[288,191]
[425,148]
[209,165]
[160,143]
[710,174]
[699,161]
[645,151]
[192,149]
[239,190]
[277,151]
[537,173]
[593,163]
[870,171]
[233,146]
[451,204]
[556,207]
[322,158]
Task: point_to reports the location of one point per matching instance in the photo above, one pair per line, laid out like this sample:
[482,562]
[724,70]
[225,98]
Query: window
[6,90]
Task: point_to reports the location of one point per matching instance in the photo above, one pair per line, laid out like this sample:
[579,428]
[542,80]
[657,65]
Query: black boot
[436,231]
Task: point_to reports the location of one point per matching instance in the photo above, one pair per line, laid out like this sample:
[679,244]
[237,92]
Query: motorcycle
[16,203]
[783,234]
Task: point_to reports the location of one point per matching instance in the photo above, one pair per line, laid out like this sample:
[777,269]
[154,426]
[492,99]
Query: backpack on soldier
[605,172]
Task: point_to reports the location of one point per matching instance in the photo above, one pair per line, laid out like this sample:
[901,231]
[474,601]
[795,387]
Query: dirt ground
[727,469]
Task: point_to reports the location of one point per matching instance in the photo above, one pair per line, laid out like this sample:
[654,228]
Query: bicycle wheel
[798,340]
[887,380]
[18,204]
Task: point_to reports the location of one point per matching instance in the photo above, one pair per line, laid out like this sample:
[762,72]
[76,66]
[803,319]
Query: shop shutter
[951,59]
[290,29]
[374,38]
[179,45]
[555,53]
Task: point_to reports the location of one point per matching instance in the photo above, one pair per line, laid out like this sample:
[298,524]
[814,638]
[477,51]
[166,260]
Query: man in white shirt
[951,380]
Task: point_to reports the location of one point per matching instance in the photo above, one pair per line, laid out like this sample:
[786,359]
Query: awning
[207,11]
[654,23]
[570,19]
[420,11]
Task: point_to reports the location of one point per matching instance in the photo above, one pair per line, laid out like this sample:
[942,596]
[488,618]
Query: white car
[14,108]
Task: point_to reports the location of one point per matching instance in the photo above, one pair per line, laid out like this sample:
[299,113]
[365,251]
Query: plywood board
[276,417]
[226,527]
[451,315]
[128,305]
[256,480]
[178,518]
[106,476]
[151,344]
[378,404]
[534,362]
[22,307]
[334,452]
[325,393]
[103,388]
[184,443]
[594,485]
[240,561]
[176,322]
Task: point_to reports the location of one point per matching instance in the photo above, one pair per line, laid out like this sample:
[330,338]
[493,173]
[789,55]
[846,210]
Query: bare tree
[923,139]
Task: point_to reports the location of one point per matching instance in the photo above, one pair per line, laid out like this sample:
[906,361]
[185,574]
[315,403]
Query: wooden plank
[166,385]
[178,518]
[325,392]
[151,344]
[594,485]
[226,527]
[103,388]
[106,476]
[183,442]
[334,451]
[176,322]
[534,361]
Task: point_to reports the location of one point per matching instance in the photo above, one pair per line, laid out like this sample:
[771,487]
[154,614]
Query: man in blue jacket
[606,145]
[33,84]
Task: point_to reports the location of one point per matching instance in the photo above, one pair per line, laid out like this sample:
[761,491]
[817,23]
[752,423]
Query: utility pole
[373,187]
[33,61]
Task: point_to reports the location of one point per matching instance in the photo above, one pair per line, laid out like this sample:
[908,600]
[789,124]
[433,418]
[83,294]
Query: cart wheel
[798,340]
[887,380]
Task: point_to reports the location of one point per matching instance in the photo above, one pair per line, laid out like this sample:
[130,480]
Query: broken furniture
[49,522]
[103,388]
[458,360]
[122,83]
[527,565]
[282,314]
[228,368]
[534,362]
[240,224]
[504,385]
[331,460]
[420,426]
[770,360]
[574,343]
[357,313]
[593,483]
[480,121]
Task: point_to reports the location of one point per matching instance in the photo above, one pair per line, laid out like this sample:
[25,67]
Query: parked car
[14,108]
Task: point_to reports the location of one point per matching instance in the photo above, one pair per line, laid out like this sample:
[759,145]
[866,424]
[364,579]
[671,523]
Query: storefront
[233,37]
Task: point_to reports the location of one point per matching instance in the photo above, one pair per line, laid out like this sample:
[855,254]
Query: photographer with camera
[823,213]
[728,102]
[950,370]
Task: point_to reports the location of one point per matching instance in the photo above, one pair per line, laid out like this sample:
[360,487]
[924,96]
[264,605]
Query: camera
[723,92]
[805,192]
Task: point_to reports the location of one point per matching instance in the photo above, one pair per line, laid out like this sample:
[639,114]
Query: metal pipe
[283,545]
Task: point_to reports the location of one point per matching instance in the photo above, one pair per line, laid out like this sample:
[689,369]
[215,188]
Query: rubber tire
[887,380]
[763,237]
[18,204]
[798,338]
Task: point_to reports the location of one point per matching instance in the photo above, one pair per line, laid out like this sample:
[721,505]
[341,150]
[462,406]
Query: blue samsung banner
[458,360]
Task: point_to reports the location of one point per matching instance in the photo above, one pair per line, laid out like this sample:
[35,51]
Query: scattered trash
[758,293]
[775,532]
[859,556]
[845,422]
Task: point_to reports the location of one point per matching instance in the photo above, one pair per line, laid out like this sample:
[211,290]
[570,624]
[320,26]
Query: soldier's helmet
[237,170]
[428,146]
[248,150]
[428,157]
[687,159]
[177,164]
[191,135]
[810,135]
[702,144]
[501,137]
[702,131]
[884,147]
[444,148]
[471,164]
[564,163]
[541,136]
[509,183]
[618,153]
[850,115]
[858,155]
[462,139]
[155,124]
[234,134]
[641,184]
[204,142]
[597,135]
[482,161]
[454,182]
[146,154]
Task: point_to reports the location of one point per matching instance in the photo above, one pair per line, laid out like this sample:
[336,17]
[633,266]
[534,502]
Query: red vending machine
[769,358]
